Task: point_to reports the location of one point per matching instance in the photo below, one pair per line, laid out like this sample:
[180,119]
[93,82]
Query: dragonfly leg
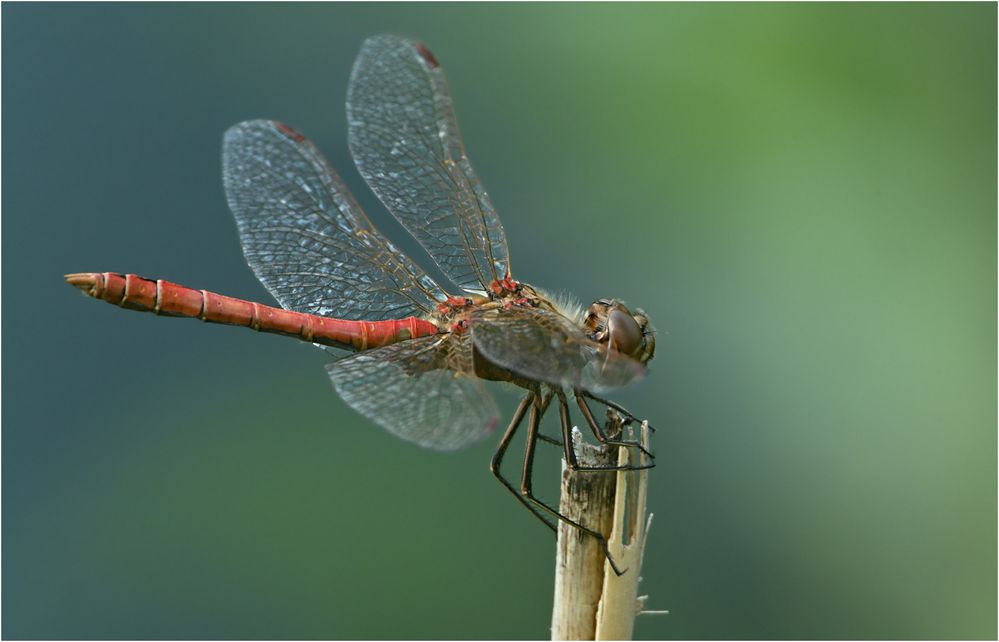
[497,460]
[549,440]
[599,433]
[613,406]
[527,491]
[570,452]
[544,406]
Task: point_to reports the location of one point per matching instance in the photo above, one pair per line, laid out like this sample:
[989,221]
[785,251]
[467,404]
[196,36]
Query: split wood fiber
[591,601]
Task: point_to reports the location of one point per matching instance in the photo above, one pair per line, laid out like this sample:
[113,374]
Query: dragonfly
[419,353]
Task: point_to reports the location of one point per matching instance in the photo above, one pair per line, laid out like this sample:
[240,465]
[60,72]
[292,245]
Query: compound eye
[625,335]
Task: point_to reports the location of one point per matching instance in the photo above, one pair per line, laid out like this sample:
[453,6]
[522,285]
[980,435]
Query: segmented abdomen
[162,297]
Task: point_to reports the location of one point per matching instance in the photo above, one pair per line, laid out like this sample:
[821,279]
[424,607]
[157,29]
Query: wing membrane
[422,390]
[548,347]
[405,141]
[306,238]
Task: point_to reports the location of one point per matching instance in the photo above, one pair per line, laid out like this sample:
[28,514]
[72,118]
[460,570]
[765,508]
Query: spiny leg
[544,407]
[526,482]
[497,460]
[613,406]
[549,440]
[599,433]
[570,452]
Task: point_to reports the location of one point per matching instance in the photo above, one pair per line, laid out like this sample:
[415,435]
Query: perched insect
[422,352]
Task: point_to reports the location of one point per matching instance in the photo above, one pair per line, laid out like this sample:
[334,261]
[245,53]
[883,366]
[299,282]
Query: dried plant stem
[619,601]
[587,498]
[591,601]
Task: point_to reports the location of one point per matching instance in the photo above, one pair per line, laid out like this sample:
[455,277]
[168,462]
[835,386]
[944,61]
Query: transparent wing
[422,390]
[405,141]
[548,347]
[306,238]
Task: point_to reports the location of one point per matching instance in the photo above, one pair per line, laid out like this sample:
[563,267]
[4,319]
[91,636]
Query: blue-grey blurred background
[803,197]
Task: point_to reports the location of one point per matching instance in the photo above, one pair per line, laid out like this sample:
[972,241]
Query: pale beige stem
[591,601]
[619,601]
[588,499]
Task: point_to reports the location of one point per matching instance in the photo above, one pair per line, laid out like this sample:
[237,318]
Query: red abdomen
[165,298]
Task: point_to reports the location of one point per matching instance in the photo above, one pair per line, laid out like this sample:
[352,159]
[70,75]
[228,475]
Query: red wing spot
[290,132]
[426,55]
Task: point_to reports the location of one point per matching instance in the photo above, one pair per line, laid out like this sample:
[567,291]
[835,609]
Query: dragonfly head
[609,321]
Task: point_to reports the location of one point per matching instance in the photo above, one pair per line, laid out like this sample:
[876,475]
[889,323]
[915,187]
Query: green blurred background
[802,197]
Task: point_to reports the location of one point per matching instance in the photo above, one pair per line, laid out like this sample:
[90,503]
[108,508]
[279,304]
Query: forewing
[422,390]
[306,238]
[405,141]
[546,346]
